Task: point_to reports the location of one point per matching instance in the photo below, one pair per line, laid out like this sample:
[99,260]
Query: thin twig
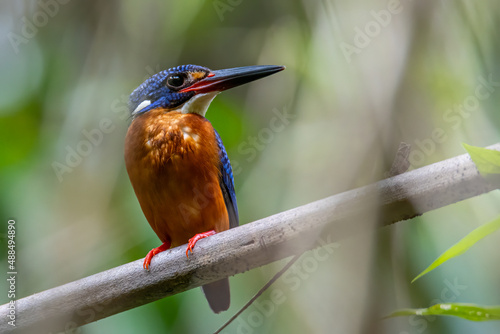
[261,291]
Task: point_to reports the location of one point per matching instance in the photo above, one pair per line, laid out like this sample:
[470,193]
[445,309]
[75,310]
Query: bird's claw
[192,242]
[153,252]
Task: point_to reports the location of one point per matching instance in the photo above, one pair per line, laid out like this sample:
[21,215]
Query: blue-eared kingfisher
[176,161]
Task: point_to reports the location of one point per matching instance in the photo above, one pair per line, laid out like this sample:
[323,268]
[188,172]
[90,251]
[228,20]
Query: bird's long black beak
[224,79]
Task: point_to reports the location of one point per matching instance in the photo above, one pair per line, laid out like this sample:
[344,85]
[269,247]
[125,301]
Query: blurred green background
[361,77]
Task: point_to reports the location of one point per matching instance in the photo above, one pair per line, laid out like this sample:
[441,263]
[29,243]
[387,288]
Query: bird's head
[191,88]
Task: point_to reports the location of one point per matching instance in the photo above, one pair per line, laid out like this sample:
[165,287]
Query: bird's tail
[217,294]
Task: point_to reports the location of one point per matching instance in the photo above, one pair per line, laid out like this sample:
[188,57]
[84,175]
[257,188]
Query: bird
[177,163]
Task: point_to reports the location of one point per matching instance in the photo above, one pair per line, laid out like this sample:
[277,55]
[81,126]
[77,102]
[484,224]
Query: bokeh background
[361,77]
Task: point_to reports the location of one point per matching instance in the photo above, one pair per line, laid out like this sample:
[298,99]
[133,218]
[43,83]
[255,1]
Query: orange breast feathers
[172,160]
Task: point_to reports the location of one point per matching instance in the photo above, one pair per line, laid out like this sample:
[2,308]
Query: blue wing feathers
[227,184]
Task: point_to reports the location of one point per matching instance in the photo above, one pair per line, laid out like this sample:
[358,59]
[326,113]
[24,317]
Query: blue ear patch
[159,96]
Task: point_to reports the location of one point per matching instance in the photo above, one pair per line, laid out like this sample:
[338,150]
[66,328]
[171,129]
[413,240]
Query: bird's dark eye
[175,80]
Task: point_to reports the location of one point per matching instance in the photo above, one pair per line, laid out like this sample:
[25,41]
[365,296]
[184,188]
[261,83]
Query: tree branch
[249,246]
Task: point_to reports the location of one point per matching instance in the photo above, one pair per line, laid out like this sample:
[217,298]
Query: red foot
[197,237]
[153,252]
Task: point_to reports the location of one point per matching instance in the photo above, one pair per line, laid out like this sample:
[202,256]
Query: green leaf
[487,161]
[465,311]
[464,244]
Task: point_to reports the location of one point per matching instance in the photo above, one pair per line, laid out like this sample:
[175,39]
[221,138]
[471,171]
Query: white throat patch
[198,104]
